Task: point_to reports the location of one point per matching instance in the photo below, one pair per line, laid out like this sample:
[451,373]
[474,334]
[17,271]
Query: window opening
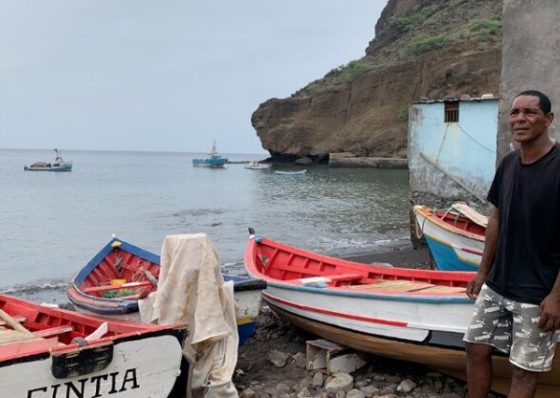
[451,112]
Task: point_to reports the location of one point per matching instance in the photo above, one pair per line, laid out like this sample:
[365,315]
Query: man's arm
[490,248]
[550,309]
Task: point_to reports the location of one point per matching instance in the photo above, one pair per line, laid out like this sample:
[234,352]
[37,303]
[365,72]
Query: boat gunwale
[429,215]
[404,273]
[345,291]
[138,331]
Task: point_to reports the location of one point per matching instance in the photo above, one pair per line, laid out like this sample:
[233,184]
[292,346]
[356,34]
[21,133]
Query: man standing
[517,287]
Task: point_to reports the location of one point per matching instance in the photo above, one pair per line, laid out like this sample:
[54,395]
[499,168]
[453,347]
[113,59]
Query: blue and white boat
[455,241]
[214,159]
[58,165]
[111,284]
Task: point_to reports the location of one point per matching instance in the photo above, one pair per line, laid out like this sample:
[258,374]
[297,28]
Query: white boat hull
[381,316]
[451,251]
[140,368]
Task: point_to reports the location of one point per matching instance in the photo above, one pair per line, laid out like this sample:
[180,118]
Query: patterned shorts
[512,327]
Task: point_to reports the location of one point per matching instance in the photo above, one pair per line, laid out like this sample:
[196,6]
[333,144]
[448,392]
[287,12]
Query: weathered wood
[13,323]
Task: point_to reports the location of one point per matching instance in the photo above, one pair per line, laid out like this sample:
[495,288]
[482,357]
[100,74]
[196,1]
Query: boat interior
[279,262]
[26,327]
[459,221]
[121,275]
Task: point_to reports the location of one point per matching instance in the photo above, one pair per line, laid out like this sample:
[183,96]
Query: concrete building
[452,150]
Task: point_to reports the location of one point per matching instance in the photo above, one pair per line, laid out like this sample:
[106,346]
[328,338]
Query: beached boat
[407,314]
[255,165]
[57,165]
[48,352]
[111,284]
[213,160]
[290,173]
[455,241]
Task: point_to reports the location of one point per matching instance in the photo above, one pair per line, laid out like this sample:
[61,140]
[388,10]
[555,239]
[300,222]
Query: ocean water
[52,224]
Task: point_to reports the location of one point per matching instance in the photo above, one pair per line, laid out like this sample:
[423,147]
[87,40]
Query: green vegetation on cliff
[426,28]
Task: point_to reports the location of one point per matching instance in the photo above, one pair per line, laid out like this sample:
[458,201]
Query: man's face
[526,120]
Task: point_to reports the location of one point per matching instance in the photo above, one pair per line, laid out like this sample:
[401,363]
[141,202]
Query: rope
[474,140]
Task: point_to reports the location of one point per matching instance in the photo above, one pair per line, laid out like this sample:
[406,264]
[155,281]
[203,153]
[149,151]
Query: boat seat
[408,286]
[54,331]
[19,319]
[395,286]
[11,336]
[345,277]
[104,288]
[445,289]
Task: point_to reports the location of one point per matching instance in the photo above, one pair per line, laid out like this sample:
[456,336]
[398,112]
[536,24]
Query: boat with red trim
[111,284]
[408,314]
[49,352]
[455,241]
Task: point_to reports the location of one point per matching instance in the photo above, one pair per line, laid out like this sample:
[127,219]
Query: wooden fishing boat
[52,353]
[57,165]
[408,314]
[290,173]
[455,241]
[214,160]
[111,284]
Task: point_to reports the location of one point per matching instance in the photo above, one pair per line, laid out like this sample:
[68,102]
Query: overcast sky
[164,75]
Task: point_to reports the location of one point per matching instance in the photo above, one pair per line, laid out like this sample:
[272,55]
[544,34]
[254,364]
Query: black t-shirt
[528,200]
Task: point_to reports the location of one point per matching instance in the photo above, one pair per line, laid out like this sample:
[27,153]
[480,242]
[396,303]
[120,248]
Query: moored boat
[48,352]
[111,284]
[214,159]
[455,241]
[57,165]
[255,165]
[290,173]
[407,314]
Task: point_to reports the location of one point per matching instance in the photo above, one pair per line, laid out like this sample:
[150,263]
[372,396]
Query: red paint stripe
[473,251]
[335,313]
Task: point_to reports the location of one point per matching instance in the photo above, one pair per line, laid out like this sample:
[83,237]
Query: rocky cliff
[422,49]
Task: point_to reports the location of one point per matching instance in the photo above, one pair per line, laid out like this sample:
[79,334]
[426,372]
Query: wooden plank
[55,331]
[400,286]
[105,288]
[20,319]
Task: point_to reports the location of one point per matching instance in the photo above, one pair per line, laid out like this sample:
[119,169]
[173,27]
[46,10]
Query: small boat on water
[255,165]
[213,160]
[111,284]
[455,236]
[290,173]
[406,314]
[48,352]
[58,165]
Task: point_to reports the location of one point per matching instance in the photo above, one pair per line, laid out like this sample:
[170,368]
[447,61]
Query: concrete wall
[530,58]
[452,161]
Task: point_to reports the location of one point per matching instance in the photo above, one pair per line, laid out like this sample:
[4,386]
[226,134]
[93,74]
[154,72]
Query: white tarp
[191,289]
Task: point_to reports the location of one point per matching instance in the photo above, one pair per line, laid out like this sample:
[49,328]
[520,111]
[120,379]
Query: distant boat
[58,165]
[213,160]
[290,173]
[255,165]
[455,236]
[111,284]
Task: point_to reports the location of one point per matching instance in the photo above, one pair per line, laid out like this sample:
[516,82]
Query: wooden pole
[13,323]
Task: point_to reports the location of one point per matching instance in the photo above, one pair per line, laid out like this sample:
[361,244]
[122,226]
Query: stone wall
[530,58]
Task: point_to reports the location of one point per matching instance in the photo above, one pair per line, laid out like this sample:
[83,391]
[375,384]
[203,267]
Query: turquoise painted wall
[465,151]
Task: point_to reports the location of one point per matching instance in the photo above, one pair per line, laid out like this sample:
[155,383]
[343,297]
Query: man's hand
[474,285]
[550,313]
